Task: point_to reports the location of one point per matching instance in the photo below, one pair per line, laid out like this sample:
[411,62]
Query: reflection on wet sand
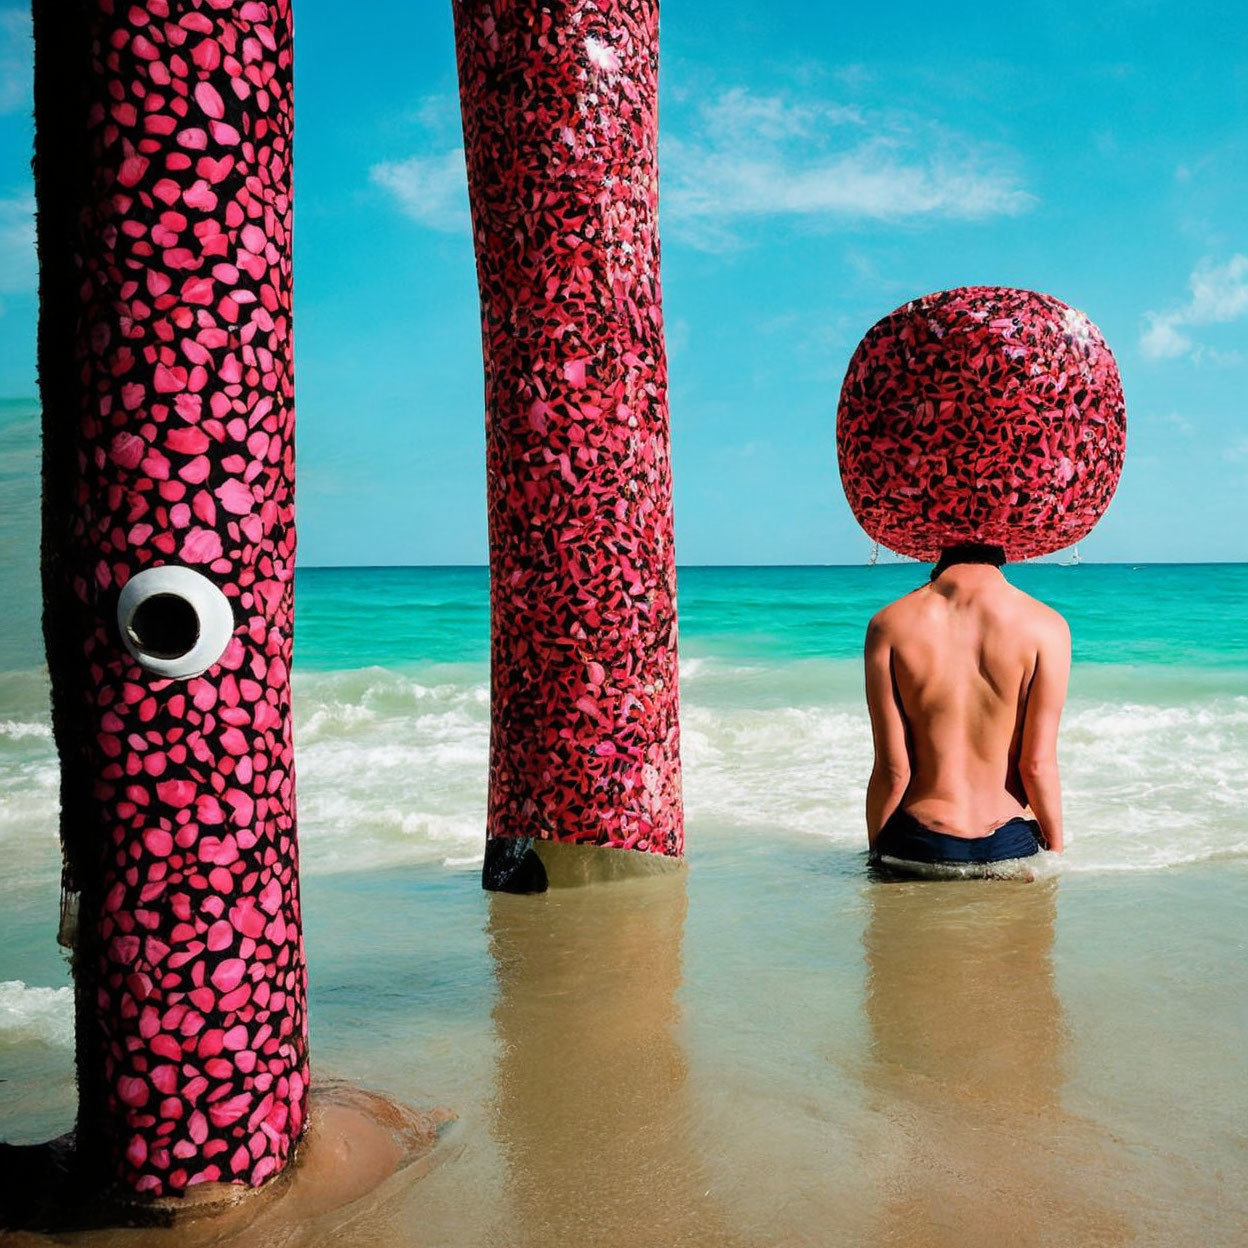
[967,1049]
[591,1110]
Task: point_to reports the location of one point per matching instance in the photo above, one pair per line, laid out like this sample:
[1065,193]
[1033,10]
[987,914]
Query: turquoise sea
[392,677]
[771,1048]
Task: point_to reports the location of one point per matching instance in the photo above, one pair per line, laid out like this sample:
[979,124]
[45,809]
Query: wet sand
[773,1049]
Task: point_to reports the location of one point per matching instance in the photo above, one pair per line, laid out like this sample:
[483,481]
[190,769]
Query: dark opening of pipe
[164,626]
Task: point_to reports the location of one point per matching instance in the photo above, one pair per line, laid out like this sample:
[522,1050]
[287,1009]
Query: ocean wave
[29,814]
[40,1015]
[796,769]
[1145,786]
[16,729]
[392,766]
[1153,860]
[469,860]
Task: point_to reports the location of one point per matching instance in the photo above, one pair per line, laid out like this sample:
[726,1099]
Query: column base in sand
[527,865]
[360,1149]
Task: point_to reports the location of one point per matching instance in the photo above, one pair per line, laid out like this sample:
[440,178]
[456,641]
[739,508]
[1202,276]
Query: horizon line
[915,563]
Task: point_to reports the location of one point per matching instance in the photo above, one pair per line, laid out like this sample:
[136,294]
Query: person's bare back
[966,679]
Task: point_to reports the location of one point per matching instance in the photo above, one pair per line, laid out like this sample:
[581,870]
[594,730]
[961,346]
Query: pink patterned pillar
[560,125]
[163,177]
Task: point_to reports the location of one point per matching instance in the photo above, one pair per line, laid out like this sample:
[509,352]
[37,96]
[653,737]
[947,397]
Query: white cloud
[739,115]
[439,114]
[1218,294]
[431,185]
[746,156]
[430,189]
[17,59]
[18,271]
[1160,340]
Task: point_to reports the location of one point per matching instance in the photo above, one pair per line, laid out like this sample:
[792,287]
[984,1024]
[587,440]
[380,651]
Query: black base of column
[512,866]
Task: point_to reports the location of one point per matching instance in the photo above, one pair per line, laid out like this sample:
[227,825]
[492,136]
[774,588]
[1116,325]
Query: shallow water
[775,1049]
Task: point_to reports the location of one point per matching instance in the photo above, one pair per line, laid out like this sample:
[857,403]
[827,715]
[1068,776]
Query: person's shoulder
[887,620]
[1051,622]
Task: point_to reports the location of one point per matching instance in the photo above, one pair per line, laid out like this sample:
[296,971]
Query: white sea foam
[1146,785]
[471,860]
[799,769]
[392,768]
[30,780]
[392,765]
[1156,785]
[1036,867]
[38,1015]
[774,748]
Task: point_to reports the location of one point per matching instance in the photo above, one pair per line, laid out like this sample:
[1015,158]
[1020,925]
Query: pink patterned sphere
[981,414]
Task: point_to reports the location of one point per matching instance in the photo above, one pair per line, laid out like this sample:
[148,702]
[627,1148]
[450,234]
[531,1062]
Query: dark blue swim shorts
[903,836]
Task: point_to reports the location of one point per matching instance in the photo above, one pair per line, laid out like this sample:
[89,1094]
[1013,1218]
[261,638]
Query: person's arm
[890,774]
[1037,759]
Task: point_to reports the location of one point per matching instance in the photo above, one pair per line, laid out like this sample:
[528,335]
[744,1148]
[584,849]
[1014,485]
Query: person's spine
[163,171]
[560,128]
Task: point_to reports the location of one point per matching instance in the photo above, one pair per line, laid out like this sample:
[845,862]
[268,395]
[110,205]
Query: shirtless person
[966,678]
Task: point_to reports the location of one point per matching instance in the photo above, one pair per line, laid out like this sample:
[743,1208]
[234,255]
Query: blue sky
[820,164]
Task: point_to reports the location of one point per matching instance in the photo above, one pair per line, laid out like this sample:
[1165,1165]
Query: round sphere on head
[981,415]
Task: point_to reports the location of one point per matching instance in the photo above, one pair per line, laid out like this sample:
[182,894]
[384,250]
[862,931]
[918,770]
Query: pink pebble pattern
[982,414]
[560,126]
[163,166]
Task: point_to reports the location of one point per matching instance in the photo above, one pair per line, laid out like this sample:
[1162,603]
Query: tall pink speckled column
[560,127]
[163,174]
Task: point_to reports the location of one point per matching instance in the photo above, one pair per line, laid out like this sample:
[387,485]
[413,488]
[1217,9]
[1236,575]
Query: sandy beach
[776,1051]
